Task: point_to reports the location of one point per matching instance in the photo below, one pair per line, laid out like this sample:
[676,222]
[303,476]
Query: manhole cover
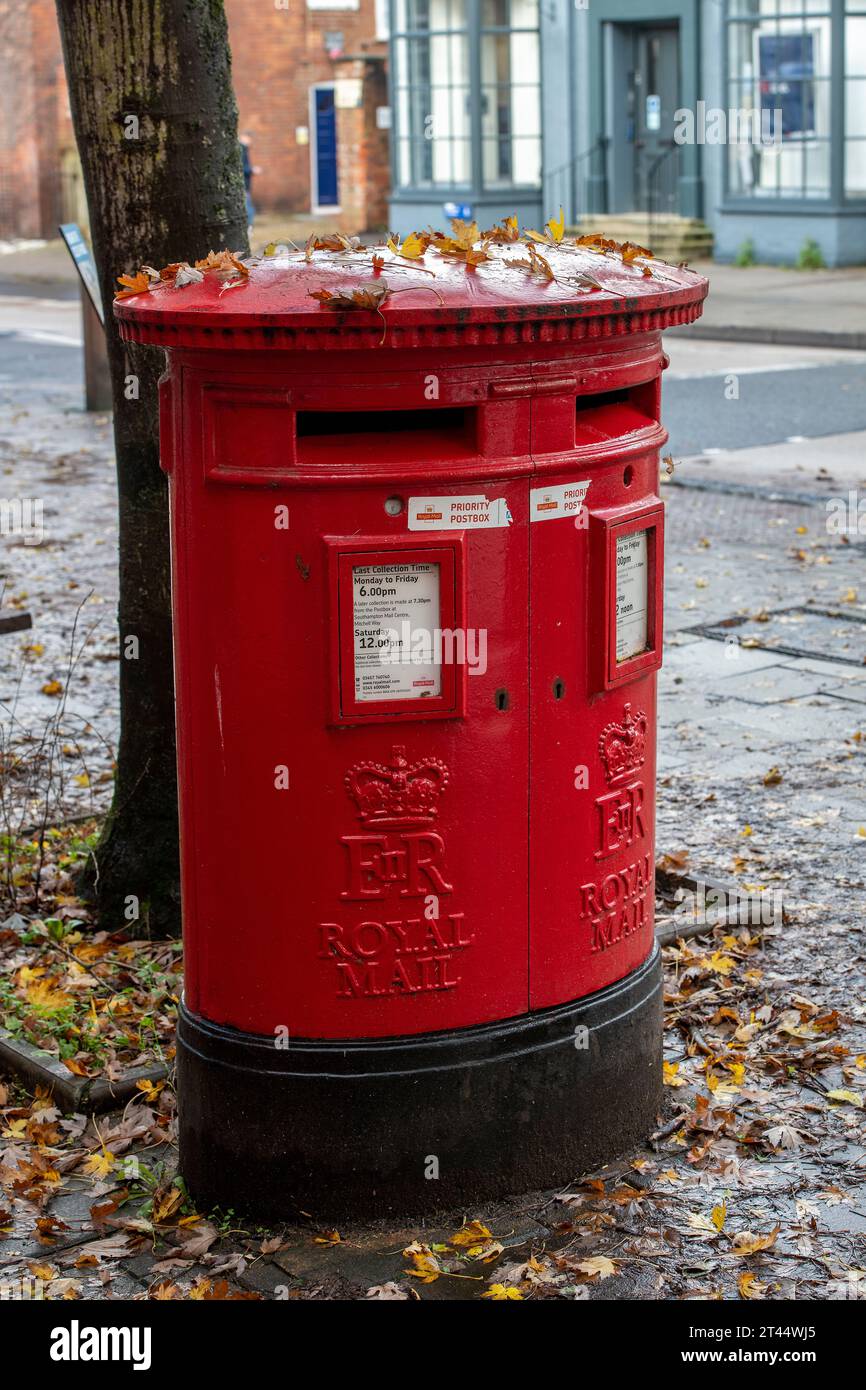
[827,634]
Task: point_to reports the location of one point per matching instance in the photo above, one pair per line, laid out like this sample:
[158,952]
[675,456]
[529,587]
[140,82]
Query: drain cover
[826,634]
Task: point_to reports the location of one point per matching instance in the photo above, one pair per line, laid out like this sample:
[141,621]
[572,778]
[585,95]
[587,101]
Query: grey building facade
[748,116]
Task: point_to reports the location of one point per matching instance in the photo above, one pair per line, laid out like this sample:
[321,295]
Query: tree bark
[156,123]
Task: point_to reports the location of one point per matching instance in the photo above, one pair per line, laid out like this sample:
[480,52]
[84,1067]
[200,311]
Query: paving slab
[769,685]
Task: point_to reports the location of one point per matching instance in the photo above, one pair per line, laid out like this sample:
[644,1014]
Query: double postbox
[417,562]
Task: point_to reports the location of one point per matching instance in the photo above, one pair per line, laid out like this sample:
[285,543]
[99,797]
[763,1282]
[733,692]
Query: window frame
[836,199]
[475,187]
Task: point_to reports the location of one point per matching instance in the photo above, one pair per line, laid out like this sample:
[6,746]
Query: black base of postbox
[405,1126]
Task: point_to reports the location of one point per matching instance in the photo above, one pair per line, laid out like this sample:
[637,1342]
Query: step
[669,237]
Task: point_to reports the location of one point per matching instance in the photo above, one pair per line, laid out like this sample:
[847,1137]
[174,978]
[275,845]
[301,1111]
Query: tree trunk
[156,124]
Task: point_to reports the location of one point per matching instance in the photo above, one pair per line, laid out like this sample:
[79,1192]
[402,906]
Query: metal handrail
[571,166]
[652,187]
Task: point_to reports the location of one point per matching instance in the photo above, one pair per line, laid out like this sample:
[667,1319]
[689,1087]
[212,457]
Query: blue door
[326,147]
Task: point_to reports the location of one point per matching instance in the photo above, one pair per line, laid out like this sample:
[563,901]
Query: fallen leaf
[598,1267]
[746,1243]
[750,1286]
[669,1074]
[846,1098]
[471,1234]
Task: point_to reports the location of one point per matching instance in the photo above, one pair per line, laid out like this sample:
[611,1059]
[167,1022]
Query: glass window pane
[818,169]
[855,47]
[751,8]
[855,106]
[855,168]
[509,14]
[510,103]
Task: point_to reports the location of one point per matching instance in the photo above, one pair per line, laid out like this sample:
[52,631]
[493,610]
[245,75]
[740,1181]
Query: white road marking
[671,374]
[44,335]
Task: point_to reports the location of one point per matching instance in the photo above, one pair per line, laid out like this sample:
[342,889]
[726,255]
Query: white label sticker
[395,613]
[548,503]
[632,588]
[477,513]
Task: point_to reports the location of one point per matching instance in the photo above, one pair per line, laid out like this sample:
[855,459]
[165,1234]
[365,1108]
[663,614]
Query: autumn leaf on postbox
[536,264]
[595,242]
[554,231]
[224,262]
[631,253]
[334,241]
[367,296]
[464,234]
[471,256]
[132,284]
[180,273]
[461,243]
[412,247]
[556,227]
[503,232]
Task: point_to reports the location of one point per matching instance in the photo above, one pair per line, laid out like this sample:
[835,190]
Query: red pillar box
[417,576]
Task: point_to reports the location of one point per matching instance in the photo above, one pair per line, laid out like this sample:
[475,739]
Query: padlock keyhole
[558,689]
[500,699]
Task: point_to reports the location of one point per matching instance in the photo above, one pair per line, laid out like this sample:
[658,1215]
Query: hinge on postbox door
[533,386]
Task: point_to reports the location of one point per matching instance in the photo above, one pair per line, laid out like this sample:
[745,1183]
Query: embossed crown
[623,746]
[400,793]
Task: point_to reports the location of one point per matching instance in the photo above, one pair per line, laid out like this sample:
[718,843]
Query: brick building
[311,83]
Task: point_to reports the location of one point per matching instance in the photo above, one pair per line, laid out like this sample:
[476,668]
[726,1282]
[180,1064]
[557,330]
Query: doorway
[324,194]
[653,96]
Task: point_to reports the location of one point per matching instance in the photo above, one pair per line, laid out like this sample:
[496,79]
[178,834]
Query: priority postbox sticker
[476,513]
[548,503]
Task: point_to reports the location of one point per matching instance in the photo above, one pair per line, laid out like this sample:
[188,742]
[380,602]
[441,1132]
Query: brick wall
[20,213]
[278,54]
[36,138]
[362,147]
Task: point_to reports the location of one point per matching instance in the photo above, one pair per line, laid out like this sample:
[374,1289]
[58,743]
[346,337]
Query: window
[855,98]
[510,86]
[467,106]
[431,93]
[783,66]
[779,96]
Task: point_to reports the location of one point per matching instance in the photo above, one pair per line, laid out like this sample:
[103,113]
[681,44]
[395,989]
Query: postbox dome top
[432,290]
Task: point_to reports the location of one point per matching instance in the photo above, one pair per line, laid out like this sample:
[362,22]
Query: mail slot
[417,585]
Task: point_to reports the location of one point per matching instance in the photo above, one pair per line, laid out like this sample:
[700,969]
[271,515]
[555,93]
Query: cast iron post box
[417,582]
